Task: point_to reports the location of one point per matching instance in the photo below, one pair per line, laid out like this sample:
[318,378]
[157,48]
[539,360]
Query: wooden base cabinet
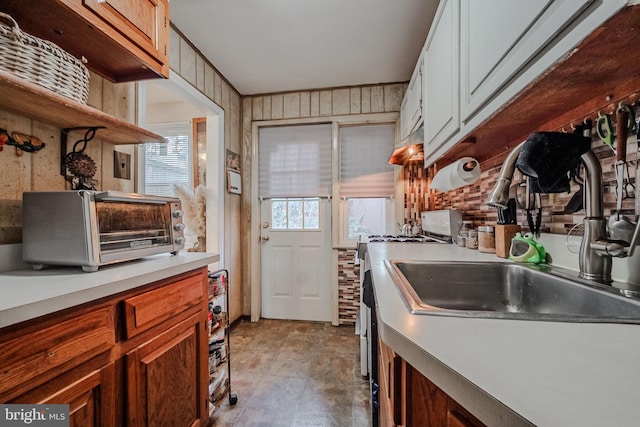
[136,359]
[408,398]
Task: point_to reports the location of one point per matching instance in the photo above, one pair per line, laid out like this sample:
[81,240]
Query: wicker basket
[42,62]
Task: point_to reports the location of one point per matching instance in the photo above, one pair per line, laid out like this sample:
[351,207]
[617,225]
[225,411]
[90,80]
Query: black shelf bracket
[64,134]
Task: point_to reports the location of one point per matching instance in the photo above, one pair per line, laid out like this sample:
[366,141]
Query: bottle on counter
[472,239]
[463,234]
[486,239]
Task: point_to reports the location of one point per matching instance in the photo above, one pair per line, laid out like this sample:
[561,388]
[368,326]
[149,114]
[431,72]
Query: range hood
[411,148]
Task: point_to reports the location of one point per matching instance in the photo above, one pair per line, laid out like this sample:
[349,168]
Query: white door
[296,258]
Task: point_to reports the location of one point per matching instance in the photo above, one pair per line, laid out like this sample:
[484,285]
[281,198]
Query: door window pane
[312,214]
[295,214]
[279,214]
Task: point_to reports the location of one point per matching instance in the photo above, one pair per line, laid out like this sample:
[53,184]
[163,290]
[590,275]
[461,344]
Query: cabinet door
[441,77]
[91,398]
[415,97]
[427,405]
[167,378]
[141,21]
[391,382]
[495,46]
[456,418]
[404,116]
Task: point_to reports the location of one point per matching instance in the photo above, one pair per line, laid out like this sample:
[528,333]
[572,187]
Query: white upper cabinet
[479,55]
[411,108]
[440,83]
[499,37]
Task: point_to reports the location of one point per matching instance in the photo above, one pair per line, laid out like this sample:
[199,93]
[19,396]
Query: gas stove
[401,238]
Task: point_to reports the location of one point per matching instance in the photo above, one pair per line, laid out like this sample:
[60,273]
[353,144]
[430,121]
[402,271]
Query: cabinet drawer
[39,356]
[152,308]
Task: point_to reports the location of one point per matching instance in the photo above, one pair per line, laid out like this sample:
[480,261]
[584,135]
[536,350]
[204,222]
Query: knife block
[504,234]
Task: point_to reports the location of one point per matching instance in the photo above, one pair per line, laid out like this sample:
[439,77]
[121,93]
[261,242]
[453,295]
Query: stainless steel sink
[509,291]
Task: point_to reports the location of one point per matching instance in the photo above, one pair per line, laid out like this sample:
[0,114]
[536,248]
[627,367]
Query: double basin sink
[508,291]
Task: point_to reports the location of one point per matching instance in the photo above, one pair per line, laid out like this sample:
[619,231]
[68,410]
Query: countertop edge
[29,294]
[485,407]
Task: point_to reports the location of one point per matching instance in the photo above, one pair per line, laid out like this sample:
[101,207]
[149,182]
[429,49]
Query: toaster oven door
[133,226]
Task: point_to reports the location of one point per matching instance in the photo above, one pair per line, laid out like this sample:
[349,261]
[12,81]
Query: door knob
[264,239]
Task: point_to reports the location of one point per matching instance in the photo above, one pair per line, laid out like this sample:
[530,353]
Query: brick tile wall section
[472,199]
[348,287]
[415,191]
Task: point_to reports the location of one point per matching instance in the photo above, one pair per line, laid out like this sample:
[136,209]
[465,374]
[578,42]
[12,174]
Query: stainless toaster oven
[90,229]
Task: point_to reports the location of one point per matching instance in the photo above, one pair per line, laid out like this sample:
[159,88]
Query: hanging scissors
[604,130]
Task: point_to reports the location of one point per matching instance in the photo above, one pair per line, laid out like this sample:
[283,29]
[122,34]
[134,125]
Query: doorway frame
[254,234]
[214,116]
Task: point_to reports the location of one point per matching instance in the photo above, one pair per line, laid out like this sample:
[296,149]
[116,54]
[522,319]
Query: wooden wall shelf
[23,97]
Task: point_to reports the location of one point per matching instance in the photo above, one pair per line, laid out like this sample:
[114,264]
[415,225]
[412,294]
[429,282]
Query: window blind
[295,161]
[364,167]
[166,164]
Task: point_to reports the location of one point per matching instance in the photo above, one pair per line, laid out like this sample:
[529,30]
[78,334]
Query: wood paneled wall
[20,172]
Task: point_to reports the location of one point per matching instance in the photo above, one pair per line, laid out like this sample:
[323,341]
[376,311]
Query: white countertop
[550,373]
[27,294]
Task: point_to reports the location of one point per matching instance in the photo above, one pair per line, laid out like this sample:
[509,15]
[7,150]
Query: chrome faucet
[596,249]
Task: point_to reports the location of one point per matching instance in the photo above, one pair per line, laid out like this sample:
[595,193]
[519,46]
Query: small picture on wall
[233,161]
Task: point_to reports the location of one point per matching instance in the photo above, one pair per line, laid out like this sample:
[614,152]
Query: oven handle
[121,196]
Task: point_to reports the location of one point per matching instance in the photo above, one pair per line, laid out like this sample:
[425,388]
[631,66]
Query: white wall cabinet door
[441,89]
[411,107]
[415,96]
[404,117]
[499,37]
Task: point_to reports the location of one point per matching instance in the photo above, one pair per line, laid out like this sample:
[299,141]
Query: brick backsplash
[472,198]
[348,287]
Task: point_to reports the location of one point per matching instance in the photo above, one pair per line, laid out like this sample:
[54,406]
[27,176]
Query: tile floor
[292,373]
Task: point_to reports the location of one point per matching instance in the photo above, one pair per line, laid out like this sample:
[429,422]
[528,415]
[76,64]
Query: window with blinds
[295,161]
[366,181]
[364,167]
[166,164]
